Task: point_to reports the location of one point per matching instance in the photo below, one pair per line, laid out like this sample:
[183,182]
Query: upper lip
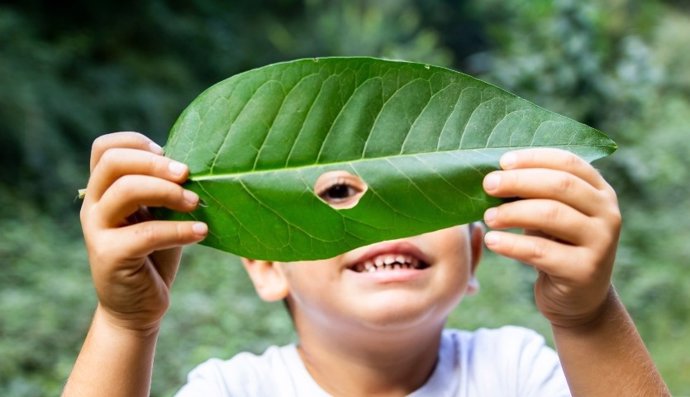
[390,248]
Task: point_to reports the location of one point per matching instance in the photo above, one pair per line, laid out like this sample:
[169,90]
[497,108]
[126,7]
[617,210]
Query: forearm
[113,361]
[608,357]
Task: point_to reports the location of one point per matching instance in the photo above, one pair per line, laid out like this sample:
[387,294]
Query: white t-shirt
[509,361]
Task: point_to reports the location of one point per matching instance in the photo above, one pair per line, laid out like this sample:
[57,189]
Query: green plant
[413,140]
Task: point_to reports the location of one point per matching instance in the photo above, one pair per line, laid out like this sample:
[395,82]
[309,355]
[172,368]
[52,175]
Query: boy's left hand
[572,222]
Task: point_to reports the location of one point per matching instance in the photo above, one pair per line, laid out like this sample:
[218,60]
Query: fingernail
[491,181]
[490,215]
[155,147]
[200,229]
[176,168]
[190,197]
[491,239]
[508,160]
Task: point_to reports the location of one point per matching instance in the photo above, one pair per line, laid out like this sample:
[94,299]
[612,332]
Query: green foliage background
[70,73]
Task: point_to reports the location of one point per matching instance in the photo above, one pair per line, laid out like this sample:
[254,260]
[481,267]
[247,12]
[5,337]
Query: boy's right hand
[133,257]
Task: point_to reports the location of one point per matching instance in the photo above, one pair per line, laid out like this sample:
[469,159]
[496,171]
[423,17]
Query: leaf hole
[339,189]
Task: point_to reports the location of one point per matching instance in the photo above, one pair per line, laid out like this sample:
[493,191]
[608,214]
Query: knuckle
[147,233]
[510,180]
[124,186]
[181,232]
[509,246]
[175,194]
[87,214]
[563,183]
[551,212]
[537,252]
[99,144]
[136,136]
[571,160]
[588,272]
[99,253]
[610,210]
[535,154]
[110,155]
[611,194]
[605,241]
[151,162]
[616,218]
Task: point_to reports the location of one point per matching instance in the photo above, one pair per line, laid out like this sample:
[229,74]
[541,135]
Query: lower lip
[390,276]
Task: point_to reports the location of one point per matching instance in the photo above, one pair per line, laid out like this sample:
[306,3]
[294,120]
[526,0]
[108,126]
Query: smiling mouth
[389,262]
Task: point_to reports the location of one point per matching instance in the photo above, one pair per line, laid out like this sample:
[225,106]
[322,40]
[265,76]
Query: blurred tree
[70,74]
[388,28]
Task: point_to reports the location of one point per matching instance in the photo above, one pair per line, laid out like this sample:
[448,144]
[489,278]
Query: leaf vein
[431,98]
[383,105]
[231,123]
[337,117]
[270,128]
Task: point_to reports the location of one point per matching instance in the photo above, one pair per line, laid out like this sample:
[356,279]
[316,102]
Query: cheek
[451,245]
[308,281]
[317,299]
[454,252]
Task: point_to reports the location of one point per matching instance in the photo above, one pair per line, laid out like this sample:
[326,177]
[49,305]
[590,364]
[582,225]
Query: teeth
[389,262]
[369,266]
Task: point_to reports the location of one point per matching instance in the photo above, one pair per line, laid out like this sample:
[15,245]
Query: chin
[404,314]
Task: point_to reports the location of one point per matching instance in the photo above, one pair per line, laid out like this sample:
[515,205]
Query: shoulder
[243,375]
[509,360]
[505,340]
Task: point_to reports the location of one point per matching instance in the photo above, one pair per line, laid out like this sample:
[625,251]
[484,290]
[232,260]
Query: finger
[545,184]
[127,194]
[552,218]
[117,162]
[131,140]
[551,257]
[556,159]
[144,238]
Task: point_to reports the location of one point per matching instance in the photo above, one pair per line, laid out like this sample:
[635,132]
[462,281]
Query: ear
[268,279]
[477,245]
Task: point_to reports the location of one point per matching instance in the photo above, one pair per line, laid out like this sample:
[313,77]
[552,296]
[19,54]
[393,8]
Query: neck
[388,364]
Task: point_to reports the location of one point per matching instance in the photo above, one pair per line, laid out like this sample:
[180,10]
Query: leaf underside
[421,137]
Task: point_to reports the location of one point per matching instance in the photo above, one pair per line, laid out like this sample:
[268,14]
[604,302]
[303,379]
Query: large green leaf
[420,137]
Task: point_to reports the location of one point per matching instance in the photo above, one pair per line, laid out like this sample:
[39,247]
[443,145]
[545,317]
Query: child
[370,321]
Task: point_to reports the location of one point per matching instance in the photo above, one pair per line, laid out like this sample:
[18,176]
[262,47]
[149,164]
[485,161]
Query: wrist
[126,353]
[594,320]
[104,318]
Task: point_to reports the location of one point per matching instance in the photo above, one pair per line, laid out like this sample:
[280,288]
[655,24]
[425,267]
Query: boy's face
[387,285]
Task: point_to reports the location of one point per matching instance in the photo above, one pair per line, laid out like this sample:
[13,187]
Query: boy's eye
[339,189]
[338,192]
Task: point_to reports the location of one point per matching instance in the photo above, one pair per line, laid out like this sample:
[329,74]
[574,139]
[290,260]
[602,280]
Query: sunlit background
[72,71]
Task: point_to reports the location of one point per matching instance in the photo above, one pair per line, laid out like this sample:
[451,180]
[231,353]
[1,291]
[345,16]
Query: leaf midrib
[238,175]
